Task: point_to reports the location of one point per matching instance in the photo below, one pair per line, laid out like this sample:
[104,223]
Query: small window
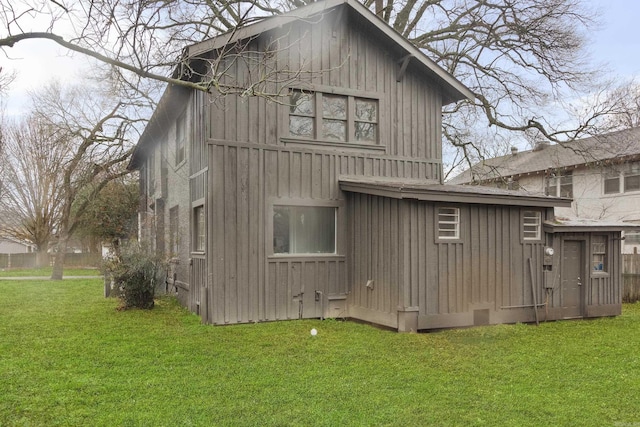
[632,178]
[173,231]
[199,229]
[366,120]
[151,173]
[448,223]
[531,224]
[334,117]
[304,230]
[180,138]
[599,253]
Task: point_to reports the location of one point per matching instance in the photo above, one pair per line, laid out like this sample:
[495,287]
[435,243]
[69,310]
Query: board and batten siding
[395,250]
[335,57]
[247,282]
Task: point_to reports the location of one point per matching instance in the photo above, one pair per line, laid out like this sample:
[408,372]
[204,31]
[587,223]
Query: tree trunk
[58,262]
[42,258]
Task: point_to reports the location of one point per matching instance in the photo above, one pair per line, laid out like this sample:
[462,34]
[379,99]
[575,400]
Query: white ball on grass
[314,332]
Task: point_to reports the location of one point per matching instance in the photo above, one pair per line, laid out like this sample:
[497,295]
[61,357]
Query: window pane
[365,131]
[632,183]
[612,185]
[599,253]
[366,110]
[335,130]
[334,107]
[302,104]
[448,223]
[301,126]
[566,185]
[200,228]
[531,225]
[304,230]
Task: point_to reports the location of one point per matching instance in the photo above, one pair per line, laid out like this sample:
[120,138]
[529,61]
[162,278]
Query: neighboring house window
[304,230]
[599,253]
[331,117]
[611,181]
[632,178]
[531,225]
[199,229]
[560,185]
[448,223]
[173,230]
[181,137]
[632,238]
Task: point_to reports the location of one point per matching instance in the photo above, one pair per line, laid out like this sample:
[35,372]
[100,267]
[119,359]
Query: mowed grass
[46,272]
[68,357]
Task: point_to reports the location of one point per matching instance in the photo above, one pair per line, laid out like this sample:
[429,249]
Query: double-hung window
[632,177]
[611,181]
[332,117]
[560,185]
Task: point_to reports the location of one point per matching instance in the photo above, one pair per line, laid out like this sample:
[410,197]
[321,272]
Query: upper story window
[611,181]
[531,225]
[559,184]
[632,177]
[619,179]
[448,223]
[181,137]
[330,117]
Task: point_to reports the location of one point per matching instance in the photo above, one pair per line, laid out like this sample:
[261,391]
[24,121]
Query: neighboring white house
[601,174]
[12,246]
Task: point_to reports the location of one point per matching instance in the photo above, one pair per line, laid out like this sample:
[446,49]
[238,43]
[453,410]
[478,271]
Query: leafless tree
[523,60]
[75,141]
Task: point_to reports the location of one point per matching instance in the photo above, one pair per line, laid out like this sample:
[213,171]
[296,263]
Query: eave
[434,192]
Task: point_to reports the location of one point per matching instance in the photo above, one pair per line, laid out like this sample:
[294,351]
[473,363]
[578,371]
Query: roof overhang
[581,226]
[433,191]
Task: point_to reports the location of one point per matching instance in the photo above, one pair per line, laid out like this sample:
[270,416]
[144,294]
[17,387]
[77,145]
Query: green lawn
[68,357]
[46,272]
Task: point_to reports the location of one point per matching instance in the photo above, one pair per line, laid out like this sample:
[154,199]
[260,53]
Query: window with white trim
[559,184]
[448,223]
[181,137]
[599,253]
[333,117]
[611,181]
[632,177]
[199,229]
[304,229]
[531,225]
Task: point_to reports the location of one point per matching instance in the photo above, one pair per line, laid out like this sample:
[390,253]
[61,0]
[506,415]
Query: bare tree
[76,140]
[523,60]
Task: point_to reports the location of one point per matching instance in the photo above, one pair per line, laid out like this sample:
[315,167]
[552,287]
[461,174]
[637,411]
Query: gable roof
[453,89]
[610,148]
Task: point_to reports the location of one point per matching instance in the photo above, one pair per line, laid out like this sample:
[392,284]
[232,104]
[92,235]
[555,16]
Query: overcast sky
[617,44]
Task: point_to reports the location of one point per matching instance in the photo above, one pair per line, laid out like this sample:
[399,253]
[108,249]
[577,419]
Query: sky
[617,44]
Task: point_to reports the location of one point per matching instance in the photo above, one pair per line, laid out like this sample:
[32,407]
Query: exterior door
[572,294]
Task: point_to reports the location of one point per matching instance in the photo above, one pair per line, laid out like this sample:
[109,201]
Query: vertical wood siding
[342,56]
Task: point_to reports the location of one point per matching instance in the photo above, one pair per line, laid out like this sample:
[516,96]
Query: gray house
[330,202]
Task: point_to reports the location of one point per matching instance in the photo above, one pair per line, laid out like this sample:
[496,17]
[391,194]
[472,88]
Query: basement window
[304,230]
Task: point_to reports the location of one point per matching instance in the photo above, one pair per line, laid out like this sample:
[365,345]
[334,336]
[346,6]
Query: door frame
[583,273]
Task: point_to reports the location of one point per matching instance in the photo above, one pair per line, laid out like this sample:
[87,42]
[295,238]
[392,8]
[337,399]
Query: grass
[68,357]
[46,272]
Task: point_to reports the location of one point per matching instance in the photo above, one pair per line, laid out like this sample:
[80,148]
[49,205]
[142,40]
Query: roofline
[551,227]
[434,192]
[454,88]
